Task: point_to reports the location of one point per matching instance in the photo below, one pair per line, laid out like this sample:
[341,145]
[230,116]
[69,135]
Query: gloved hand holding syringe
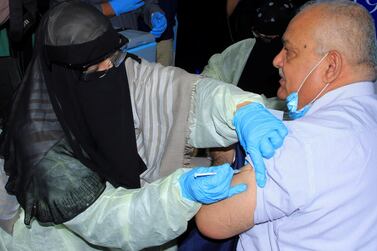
[209,184]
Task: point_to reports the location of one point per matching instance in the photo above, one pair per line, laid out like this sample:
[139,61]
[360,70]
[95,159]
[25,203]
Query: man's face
[297,58]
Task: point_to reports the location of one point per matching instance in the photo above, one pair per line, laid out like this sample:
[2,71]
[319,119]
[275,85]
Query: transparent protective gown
[128,219]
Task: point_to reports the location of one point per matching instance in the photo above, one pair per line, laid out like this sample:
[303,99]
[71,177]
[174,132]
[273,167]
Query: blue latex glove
[209,189]
[260,133]
[159,24]
[121,6]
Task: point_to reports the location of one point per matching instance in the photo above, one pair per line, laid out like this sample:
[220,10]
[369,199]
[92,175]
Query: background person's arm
[231,6]
[228,65]
[107,10]
[150,7]
[231,216]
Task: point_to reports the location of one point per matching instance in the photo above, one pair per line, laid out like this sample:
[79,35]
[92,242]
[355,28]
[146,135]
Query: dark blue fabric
[193,240]
[239,161]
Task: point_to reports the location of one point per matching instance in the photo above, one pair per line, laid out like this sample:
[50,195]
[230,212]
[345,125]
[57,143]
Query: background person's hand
[212,188]
[260,133]
[122,6]
[159,24]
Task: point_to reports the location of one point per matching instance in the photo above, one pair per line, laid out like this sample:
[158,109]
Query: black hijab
[53,102]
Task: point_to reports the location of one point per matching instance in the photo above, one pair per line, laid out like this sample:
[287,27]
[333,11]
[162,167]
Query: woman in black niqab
[55,105]
[269,21]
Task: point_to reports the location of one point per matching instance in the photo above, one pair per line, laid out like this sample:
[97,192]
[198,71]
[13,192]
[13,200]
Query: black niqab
[269,18]
[95,117]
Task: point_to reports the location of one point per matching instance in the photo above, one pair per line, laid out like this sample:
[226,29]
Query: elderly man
[318,190]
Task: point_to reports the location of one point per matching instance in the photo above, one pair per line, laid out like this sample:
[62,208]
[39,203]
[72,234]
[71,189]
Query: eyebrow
[285,41]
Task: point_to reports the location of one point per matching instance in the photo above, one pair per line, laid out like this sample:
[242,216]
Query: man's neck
[354,74]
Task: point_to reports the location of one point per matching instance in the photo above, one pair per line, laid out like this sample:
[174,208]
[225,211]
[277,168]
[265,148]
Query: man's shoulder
[352,120]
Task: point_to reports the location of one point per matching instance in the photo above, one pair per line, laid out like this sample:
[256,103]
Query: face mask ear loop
[323,89]
[310,72]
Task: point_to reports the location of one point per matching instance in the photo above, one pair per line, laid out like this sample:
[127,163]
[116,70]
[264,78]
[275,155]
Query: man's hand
[260,133]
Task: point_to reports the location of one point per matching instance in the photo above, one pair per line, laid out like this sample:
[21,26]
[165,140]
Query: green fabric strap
[4,44]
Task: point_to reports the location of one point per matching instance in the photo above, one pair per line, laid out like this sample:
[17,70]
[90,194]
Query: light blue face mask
[292,102]
[292,99]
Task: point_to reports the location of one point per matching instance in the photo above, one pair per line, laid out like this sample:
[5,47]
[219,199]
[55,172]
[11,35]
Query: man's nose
[278,60]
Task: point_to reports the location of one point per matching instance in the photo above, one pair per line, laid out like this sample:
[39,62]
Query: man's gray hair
[346,27]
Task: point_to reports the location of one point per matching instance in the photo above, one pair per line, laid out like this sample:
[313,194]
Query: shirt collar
[348,91]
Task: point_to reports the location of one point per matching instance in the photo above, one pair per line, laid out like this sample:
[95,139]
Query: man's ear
[334,67]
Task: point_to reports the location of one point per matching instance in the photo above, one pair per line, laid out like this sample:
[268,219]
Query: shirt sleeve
[133,219]
[289,176]
[213,107]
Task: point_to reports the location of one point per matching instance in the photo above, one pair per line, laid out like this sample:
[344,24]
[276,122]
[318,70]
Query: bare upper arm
[231,216]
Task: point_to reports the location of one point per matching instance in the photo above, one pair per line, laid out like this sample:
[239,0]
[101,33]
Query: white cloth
[320,185]
[160,98]
[173,108]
